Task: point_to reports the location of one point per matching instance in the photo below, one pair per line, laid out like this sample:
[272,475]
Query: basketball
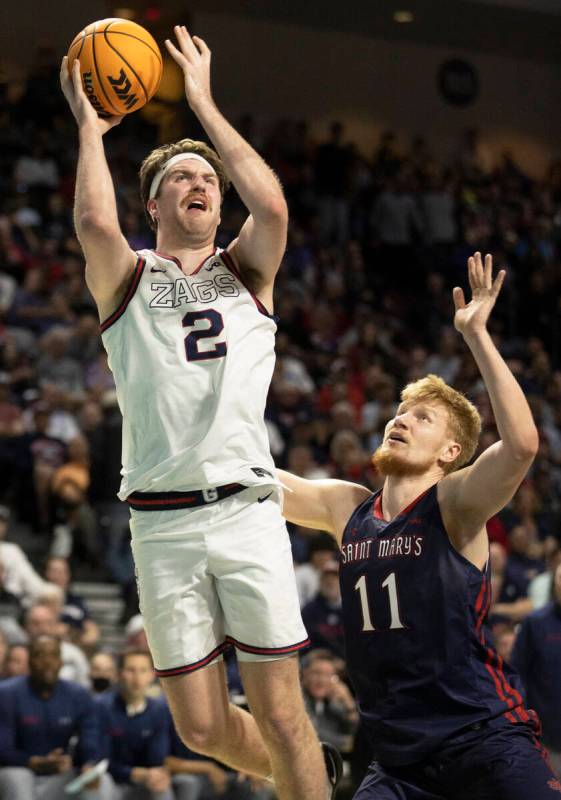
[120,64]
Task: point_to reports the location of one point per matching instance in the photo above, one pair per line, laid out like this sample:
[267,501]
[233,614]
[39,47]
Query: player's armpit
[320,504]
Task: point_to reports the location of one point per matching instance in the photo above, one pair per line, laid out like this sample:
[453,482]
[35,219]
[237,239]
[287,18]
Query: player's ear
[152,207]
[450,452]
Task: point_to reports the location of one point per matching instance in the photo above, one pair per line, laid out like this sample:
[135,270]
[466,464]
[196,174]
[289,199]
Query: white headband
[157,179]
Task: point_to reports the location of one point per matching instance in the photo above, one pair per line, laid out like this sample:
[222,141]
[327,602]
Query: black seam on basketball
[132,36]
[100,81]
[82,43]
[121,56]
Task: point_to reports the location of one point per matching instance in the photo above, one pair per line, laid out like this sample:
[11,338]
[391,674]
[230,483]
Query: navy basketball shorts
[500,761]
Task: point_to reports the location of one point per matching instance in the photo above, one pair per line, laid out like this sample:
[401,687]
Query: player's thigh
[251,558]
[378,784]
[272,687]
[199,703]
[510,764]
[178,599]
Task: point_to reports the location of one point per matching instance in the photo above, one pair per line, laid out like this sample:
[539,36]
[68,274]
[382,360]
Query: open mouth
[196,205]
[396,437]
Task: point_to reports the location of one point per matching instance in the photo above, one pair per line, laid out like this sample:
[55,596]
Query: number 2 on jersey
[215,328]
[391,585]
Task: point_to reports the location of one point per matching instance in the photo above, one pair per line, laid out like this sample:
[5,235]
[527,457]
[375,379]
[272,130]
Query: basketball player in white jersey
[190,336]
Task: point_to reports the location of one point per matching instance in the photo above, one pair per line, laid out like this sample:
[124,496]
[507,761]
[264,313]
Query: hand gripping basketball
[80,106]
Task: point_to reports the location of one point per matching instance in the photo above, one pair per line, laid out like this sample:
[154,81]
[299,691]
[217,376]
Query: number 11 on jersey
[389,584]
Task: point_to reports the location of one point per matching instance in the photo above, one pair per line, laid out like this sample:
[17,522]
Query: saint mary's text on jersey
[384,547]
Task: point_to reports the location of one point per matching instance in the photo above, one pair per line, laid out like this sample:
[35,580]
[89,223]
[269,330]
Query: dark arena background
[406,135]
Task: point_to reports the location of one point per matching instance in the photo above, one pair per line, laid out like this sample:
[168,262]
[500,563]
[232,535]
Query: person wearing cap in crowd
[189,331]
[49,730]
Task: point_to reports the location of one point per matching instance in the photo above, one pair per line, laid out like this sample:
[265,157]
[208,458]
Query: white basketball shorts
[215,576]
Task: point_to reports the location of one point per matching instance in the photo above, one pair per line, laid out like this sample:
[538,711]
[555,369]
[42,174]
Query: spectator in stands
[103,672]
[16,662]
[82,630]
[9,603]
[525,511]
[541,587]
[40,716]
[37,455]
[43,618]
[510,602]
[329,702]
[321,549]
[56,367]
[332,178]
[322,616]
[504,636]
[20,579]
[136,729]
[537,657]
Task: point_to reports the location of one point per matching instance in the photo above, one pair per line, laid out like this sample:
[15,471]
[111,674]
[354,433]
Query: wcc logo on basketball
[122,86]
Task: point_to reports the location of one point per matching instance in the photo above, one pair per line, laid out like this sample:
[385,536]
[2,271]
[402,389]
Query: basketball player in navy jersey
[445,713]
[189,332]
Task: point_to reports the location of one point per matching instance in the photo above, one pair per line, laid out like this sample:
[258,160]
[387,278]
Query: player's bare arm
[259,248]
[471,496]
[109,259]
[324,505]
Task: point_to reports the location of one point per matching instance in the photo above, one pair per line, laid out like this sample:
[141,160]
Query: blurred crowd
[376,243]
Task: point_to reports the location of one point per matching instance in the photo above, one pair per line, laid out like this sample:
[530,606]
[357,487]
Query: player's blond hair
[464,421]
[160,155]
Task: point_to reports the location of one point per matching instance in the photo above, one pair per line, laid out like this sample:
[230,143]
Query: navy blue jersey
[418,651]
[32,725]
[138,740]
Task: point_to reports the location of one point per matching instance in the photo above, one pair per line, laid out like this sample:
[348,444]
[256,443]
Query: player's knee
[202,737]
[282,725]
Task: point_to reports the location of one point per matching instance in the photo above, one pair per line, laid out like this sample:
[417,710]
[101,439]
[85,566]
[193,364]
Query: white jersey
[192,356]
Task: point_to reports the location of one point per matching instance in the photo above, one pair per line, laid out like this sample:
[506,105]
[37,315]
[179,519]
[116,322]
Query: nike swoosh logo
[262,499]
[153,269]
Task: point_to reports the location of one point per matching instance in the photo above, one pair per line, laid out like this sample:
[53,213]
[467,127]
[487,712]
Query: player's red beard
[388,462]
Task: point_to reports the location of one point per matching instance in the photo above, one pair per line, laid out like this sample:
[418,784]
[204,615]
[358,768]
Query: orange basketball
[120,63]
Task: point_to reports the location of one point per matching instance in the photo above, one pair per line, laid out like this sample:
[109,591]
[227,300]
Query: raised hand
[472,317]
[84,112]
[193,56]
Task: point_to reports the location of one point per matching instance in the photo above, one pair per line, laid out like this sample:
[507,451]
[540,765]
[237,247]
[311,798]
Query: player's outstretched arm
[474,494]
[324,505]
[262,240]
[110,260]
